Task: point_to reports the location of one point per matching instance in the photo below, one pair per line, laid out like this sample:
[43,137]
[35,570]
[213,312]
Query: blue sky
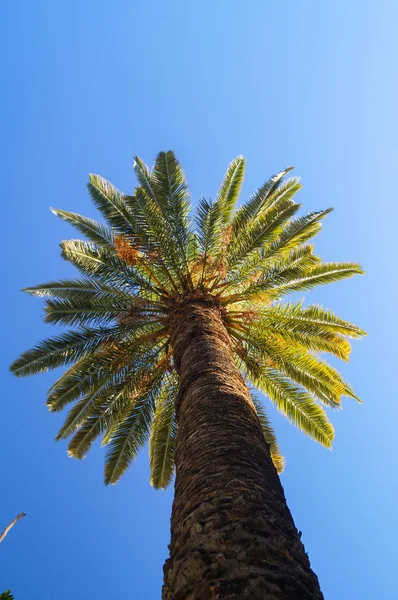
[85,85]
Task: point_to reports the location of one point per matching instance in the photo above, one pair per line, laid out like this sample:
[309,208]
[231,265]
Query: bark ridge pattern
[232,533]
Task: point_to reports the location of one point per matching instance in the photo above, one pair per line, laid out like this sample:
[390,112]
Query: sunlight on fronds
[137,267]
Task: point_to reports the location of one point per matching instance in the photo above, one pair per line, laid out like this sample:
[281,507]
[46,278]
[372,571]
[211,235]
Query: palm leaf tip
[281,174]
[16,368]
[29,290]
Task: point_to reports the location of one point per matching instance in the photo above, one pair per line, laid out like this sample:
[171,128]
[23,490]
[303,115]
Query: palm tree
[178,321]
[6,595]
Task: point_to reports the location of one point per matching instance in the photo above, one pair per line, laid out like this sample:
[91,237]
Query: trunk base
[227,554]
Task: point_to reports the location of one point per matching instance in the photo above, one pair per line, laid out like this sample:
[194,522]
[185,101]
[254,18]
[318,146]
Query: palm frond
[129,434]
[74,288]
[307,370]
[290,399]
[163,438]
[172,188]
[269,434]
[296,232]
[209,224]
[297,315]
[61,350]
[86,310]
[156,233]
[254,274]
[229,191]
[312,327]
[110,202]
[106,266]
[118,395]
[258,201]
[301,336]
[297,405]
[319,275]
[94,231]
[283,281]
[106,365]
[262,230]
[105,411]
[80,411]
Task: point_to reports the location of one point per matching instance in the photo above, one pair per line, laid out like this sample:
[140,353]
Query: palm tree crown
[136,270]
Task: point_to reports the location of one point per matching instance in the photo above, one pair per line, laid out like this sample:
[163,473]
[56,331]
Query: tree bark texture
[232,534]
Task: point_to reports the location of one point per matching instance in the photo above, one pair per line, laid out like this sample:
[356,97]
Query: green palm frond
[295,403]
[79,413]
[229,191]
[155,232]
[272,286]
[314,375]
[269,434]
[167,188]
[74,288]
[148,256]
[163,438]
[62,350]
[310,318]
[312,338]
[209,224]
[84,311]
[263,228]
[110,398]
[258,202]
[171,187]
[296,232]
[100,411]
[94,231]
[110,202]
[146,180]
[107,366]
[251,275]
[311,328]
[319,275]
[107,266]
[292,400]
[79,380]
[125,438]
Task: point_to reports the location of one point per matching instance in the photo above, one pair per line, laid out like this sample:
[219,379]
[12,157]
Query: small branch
[10,526]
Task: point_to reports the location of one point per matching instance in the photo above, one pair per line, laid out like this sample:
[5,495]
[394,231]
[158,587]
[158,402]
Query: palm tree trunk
[232,534]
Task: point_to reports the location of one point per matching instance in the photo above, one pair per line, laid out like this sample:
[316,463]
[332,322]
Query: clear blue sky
[85,85]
